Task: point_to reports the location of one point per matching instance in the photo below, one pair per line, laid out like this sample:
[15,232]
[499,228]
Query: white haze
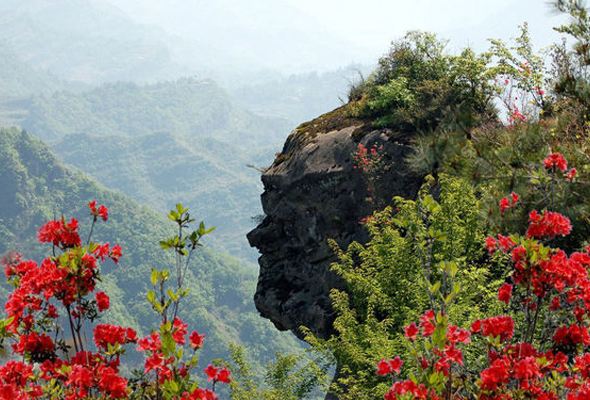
[299,35]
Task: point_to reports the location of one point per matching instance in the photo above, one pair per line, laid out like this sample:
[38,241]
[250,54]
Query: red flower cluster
[409,389]
[387,367]
[59,233]
[101,211]
[110,335]
[508,202]
[505,293]
[571,174]
[516,116]
[555,161]
[102,301]
[547,359]
[503,243]
[548,224]
[444,357]
[217,374]
[367,159]
[68,280]
[200,394]
[501,327]
[572,335]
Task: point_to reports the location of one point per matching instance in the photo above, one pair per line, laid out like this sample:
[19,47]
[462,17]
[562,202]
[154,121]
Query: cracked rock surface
[312,194]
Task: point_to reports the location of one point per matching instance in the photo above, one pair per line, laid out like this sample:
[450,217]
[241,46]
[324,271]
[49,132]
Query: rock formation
[312,193]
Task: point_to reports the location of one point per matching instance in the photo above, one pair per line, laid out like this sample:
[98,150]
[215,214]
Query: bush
[390,278]
[418,87]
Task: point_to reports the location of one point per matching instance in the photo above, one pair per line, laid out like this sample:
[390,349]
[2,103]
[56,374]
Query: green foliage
[439,233]
[418,87]
[570,78]
[498,161]
[287,377]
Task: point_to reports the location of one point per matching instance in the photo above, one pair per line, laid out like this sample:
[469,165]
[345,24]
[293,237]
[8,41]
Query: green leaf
[154,277]
[435,287]
[151,297]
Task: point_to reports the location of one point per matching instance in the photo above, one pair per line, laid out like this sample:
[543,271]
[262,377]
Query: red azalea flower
[458,335]
[92,207]
[59,233]
[505,243]
[112,384]
[572,335]
[179,331]
[548,224]
[115,253]
[427,323]
[501,326]
[386,367]
[555,161]
[103,213]
[105,335]
[408,389]
[505,293]
[495,375]
[211,372]
[504,204]
[196,340]
[200,394]
[411,331]
[150,343]
[491,245]
[223,376]
[102,301]
[526,369]
[571,174]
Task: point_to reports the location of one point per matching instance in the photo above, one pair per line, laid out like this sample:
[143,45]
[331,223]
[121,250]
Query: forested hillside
[159,169]
[35,187]
[188,107]
[182,140]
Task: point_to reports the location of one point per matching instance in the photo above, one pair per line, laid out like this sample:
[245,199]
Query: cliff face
[312,194]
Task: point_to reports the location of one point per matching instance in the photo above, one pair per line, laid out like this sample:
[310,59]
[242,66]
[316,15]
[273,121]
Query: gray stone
[312,193]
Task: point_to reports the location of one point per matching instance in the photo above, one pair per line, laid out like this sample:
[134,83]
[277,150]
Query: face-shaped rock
[313,194]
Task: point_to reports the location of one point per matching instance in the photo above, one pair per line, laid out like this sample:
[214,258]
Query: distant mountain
[85,41]
[298,97]
[237,35]
[160,170]
[187,107]
[19,81]
[97,41]
[35,187]
[167,142]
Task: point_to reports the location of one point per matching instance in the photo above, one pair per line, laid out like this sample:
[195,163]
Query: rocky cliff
[312,193]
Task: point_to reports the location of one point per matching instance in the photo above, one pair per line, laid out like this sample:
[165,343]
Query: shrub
[392,278]
[535,346]
[418,87]
[53,307]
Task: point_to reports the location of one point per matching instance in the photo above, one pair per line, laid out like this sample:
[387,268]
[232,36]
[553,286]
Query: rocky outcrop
[312,193]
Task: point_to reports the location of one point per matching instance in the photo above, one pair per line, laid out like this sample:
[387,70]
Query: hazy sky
[374,23]
[318,34]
